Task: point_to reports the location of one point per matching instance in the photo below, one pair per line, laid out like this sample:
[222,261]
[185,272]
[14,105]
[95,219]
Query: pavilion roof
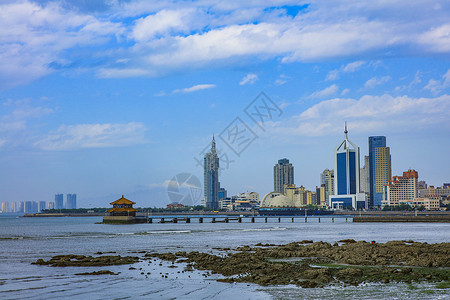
[124,209]
[122,200]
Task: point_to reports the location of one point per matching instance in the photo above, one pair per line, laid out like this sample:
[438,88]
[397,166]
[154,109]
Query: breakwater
[427,219]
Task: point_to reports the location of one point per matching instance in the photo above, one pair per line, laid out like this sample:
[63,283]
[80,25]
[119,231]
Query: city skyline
[95,98]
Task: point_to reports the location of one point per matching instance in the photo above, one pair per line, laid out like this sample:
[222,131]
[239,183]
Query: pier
[243,219]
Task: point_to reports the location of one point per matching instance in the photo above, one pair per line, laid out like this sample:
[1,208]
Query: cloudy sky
[109,97]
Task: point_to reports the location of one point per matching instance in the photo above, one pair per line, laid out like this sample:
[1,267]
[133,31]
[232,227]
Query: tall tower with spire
[211,177]
[346,178]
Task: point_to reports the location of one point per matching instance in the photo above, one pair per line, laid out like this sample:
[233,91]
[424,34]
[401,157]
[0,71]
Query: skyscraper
[379,168]
[364,181]
[59,201]
[346,182]
[327,180]
[283,173]
[211,177]
[71,201]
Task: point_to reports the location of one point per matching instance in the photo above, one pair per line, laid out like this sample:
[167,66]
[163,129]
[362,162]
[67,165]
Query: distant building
[42,205]
[240,202]
[251,196]
[5,207]
[226,203]
[283,173]
[59,201]
[379,168]
[211,178]
[18,207]
[422,184]
[364,182]
[346,183]
[14,207]
[71,201]
[321,199]
[276,200]
[174,205]
[51,205]
[222,193]
[428,204]
[297,194]
[438,193]
[401,189]
[327,180]
[31,207]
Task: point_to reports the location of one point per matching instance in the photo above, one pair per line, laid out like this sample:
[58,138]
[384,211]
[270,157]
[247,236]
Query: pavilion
[122,207]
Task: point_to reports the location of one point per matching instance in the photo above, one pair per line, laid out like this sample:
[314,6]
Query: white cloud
[195,88]
[34,38]
[332,75]
[348,68]
[374,81]
[345,92]
[280,81]
[20,112]
[436,86]
[372,113]
[436,39]
[353,66]
[249,79]
[122,73]
[17,116]
[326,92]
[161,23]
[38,39]
[71,137]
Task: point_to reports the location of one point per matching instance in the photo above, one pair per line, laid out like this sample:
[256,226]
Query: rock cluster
[101,272]
[318,264]
[71,260]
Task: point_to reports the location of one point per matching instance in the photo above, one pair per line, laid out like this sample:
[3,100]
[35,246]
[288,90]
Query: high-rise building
[321,199]
[18,207]
[211,177]
[59,201]
[31,207]
[283,173]
[42,205]
[401,188]
[379,168]
[327,180]
[51,205]
[71,201]
[364,182]
[5,207]
[346,181]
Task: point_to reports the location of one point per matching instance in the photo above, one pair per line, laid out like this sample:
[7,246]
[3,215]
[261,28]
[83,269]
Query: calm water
[24,240]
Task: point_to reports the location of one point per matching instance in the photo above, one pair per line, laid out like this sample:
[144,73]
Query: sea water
[24,240]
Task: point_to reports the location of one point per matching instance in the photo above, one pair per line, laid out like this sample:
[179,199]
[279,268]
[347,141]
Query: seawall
[426,219]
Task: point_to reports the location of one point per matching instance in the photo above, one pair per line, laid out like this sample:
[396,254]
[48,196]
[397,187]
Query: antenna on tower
[345,131]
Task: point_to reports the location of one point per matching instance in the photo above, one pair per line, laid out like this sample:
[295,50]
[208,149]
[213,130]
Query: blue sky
[104,98]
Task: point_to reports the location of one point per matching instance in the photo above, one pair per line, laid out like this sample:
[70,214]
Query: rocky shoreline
[305,263]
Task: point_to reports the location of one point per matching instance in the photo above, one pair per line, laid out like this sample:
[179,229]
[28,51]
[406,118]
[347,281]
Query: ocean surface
[24,240]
